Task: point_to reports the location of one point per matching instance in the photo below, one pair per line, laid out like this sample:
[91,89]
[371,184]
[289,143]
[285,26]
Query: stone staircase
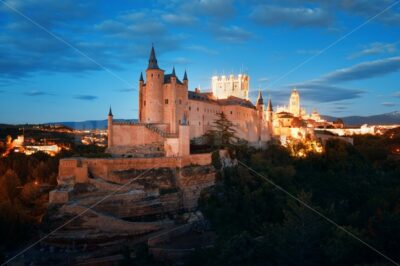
[160,132]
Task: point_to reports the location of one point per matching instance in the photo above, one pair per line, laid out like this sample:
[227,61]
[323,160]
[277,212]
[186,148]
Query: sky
[70,60]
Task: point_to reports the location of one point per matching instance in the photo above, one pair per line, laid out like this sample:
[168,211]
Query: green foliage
[356,186]
[222,134]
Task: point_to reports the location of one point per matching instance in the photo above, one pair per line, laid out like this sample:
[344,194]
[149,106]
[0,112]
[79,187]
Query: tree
[9,183]
[223,133]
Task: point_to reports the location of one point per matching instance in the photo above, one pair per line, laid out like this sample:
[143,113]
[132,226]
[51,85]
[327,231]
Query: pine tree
[222,134]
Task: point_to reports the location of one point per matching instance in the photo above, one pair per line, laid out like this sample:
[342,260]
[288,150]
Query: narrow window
[166,101]
[144,103]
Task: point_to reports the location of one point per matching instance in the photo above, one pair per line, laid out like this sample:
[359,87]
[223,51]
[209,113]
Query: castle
[170,115]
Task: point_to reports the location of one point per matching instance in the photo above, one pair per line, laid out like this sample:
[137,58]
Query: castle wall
[133,135]
[201,116]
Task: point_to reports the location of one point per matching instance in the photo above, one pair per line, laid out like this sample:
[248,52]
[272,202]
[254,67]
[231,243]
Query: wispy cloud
[36,93]
[232,34]
[364,70]
[388,104]
[272,15]
[374,49]
[86,97]
[203,49]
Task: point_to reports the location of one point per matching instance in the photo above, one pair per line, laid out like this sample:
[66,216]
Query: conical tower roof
[260,100]
[269,106]
[141,77]
[185,76]
[152,60]
[110,112]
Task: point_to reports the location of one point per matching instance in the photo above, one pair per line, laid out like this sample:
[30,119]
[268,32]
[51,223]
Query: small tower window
[151,75]
[190,108]
[180,101]
[144,103]
[166,101]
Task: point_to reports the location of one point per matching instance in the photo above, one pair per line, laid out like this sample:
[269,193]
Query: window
[151,75]
[198,109]
[190,108]
[180,101]
[144,103]
[166,101]
[231,112]
[199,123]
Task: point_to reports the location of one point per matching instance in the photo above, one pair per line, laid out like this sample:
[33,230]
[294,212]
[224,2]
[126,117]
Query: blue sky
[43,79]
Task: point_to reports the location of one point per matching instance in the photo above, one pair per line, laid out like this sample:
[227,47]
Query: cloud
[218,9]
[397,94]
[180,20]
[232,34]
[375,48]
[388,104]
[86,97]
[293,16]
[320,92]
[37,93]
[364,70]
[371,8]
[203,49]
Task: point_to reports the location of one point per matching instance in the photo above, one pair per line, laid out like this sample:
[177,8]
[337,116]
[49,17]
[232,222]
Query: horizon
[45,79]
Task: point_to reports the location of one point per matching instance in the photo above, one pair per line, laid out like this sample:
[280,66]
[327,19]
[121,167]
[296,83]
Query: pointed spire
[173,71]
[141,77]
[260,100]
[110,112]
[152,60]
[185,76]
[269,107]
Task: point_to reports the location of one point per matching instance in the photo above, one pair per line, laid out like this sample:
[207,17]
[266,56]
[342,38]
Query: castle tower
[260,102]
[109,128]
[151,102]
[260,110]
[223,86]
[141,91]
[185,80]
[294,103]
[270,111]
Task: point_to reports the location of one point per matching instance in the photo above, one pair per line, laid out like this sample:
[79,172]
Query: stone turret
[151,100]
[260,100]
[270,111]
[109,128]
[185,79]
